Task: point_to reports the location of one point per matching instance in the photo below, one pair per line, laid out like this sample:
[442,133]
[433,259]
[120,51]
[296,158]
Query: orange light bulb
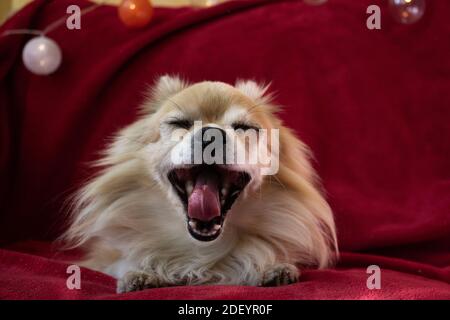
[135,13]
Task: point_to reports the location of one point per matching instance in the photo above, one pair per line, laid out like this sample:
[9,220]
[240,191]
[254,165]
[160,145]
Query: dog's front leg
[279,275]
[139,280]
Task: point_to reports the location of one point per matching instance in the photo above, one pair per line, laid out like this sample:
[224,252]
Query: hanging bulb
[407,11]
[42,55]
[135,13]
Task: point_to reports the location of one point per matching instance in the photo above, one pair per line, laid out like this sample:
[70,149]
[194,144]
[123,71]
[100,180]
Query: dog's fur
[133,226]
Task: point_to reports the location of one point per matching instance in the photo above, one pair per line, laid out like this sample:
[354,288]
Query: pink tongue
[203,203]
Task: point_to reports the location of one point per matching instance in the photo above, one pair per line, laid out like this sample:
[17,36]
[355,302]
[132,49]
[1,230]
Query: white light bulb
[407,11]
[42,56]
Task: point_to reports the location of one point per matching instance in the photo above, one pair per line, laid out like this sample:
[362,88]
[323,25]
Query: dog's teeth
[223,192]
[205,232]
[179,188]
[225,188]
[236,192]
[193,224]
[189,187]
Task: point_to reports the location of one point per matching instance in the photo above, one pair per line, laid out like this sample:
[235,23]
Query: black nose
[210,134]
[209,146]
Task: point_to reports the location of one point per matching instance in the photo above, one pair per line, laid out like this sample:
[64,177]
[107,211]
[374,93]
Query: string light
[135,13]
[407,11]
[42,55]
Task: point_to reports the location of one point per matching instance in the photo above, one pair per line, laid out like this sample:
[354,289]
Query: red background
[374,106]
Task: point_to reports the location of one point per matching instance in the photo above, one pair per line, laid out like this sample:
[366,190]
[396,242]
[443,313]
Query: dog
[153,218]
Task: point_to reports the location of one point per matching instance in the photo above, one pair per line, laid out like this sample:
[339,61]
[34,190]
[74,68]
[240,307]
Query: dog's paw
[137,280]
[280,275]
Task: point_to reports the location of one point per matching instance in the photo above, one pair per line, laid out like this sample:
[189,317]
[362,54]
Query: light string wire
[52,26]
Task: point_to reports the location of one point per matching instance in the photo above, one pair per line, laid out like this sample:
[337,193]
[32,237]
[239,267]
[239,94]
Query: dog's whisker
[279,181]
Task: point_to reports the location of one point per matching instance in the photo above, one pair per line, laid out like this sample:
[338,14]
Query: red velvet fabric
[374,106]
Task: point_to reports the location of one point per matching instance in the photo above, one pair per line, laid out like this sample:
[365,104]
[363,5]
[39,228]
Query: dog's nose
[209,146]
[210,134]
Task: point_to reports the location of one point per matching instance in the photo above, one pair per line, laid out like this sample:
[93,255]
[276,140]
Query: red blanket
[373,105]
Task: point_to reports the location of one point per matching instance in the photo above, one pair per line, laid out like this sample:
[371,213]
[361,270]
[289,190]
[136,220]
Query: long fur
[127,220]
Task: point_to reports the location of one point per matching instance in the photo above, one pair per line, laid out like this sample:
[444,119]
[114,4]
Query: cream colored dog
[150,221]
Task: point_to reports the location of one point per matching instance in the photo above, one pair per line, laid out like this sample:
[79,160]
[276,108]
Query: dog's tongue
[203,203]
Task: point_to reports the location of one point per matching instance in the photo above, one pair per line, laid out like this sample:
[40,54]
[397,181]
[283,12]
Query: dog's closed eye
[244,126]
[180,123]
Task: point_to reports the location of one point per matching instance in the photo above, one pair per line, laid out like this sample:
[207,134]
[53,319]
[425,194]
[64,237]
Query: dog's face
[208,139]
[186,170]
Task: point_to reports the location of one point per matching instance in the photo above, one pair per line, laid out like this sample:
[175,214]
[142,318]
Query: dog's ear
[164,87]
[167,86]
[252,89]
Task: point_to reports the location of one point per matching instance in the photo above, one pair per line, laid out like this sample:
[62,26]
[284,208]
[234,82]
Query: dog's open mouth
[207,193]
